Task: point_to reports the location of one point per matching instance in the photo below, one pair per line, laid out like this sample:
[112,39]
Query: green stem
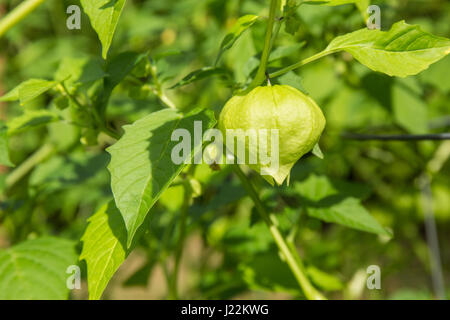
[288,250]
[101,125]
[63,89]
[268,42]
[300,64]
[158,91]
[40,155]
[110,132]
[18,14]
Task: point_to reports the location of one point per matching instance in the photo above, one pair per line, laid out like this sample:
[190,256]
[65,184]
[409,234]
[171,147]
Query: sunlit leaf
[29,90]
[104,248]
[238,29]
[36,269]
[348,212]
[141,166]
[104,16]
[402,51]
[338,202]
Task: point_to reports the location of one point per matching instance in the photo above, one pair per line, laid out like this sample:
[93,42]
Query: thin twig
[287,249]
[18,14]
[397,137]
[21,171]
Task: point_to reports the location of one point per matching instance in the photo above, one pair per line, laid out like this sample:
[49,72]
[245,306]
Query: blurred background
[229,252]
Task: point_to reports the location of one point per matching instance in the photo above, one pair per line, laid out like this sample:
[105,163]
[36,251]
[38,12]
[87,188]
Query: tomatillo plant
[89,144]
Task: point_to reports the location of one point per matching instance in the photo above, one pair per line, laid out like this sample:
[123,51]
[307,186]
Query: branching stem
[268,42]
[287,249]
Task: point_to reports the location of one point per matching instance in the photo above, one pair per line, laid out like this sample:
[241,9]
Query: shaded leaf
[31,119]
[285,51]
[291,18]
[266,271]
[410,111]
[79,70]
[292,79]
[117,69]
[60,172]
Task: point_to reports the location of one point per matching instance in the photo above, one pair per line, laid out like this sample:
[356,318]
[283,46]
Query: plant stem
[40,155]
[101,126]
[288,250]
[158,90]
[110,132]
[397,137]
[18,14]
[300,64]
[268,42]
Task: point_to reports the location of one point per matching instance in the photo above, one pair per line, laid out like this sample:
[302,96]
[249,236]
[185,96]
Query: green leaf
[242,24]
[337,202]
[437,75]
[402,51]
[277,54]
[12,95]
[362,5]
[117,69]
[4,151]
[292,79]
[285,51]
[104,248]
[315,188]
[201,74]
[29,90]
[324,280]
[291,18]
[338,2]
[141,166]
[66,171]
[317,151]
[79,70]
[36,269]
[347,212]
[410,111]
[31,119]
[104,16]
[267,272]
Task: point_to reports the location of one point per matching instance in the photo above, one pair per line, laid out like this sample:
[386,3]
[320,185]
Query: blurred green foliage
[237,253]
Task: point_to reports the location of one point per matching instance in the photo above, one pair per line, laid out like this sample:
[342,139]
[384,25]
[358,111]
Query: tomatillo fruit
[298,120]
